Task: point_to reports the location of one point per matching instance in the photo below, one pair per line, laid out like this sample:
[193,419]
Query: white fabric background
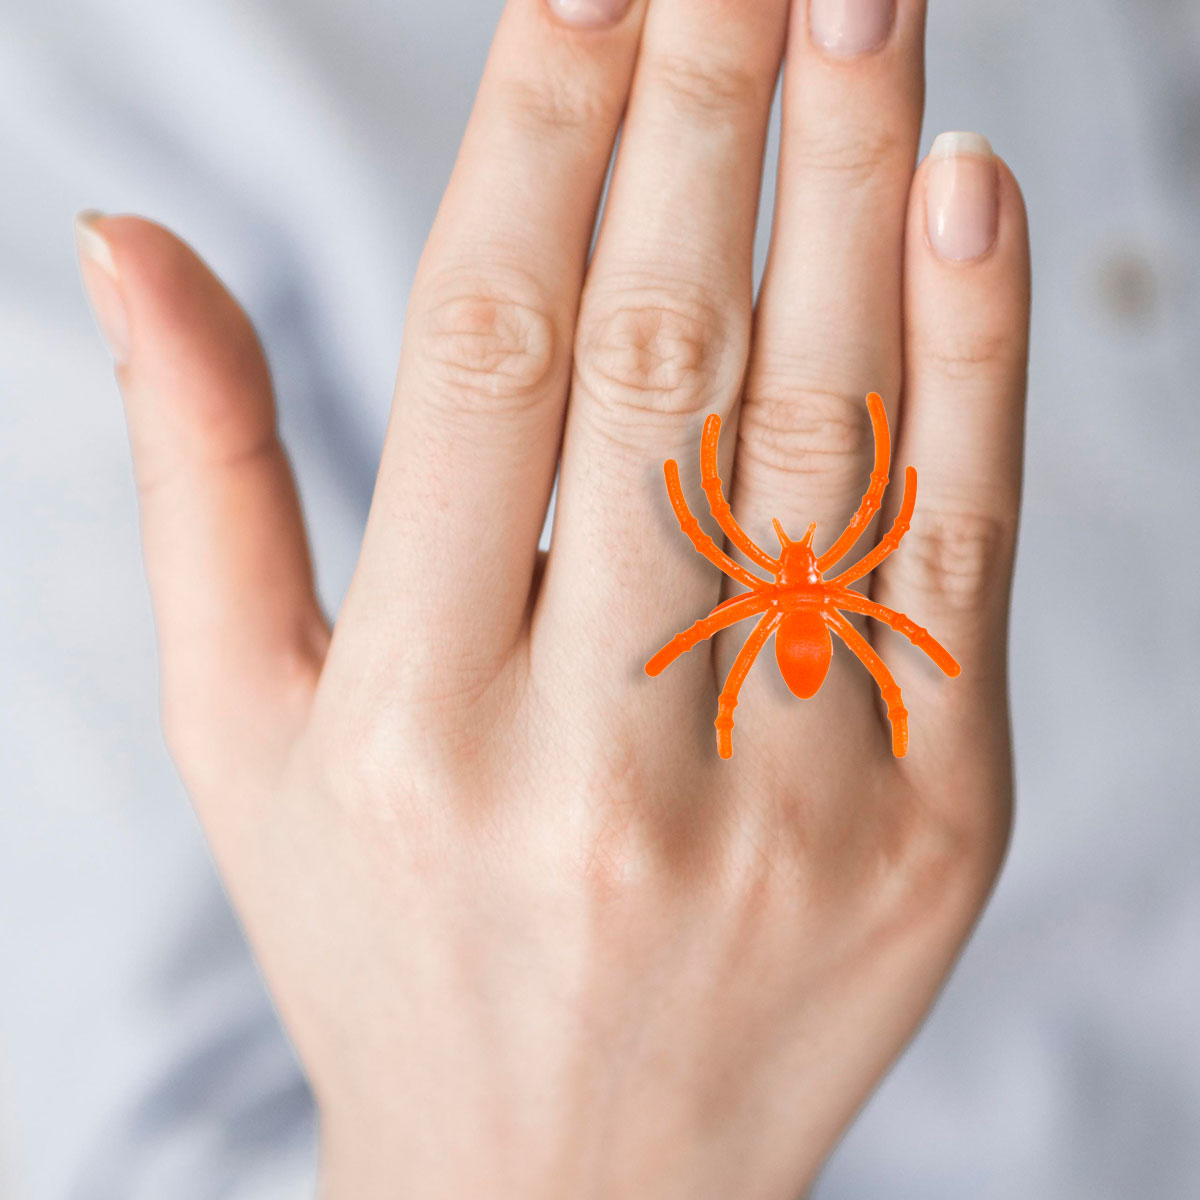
[302,147]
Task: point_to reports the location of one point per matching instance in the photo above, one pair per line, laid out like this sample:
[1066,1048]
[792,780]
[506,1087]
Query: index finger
[473,440]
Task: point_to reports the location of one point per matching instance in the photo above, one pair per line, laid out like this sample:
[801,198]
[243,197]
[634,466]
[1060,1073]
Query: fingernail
[589,12]
[848,27]
[102,284]
[961,197]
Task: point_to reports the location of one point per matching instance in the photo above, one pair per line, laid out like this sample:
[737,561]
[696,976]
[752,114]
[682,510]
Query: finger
[828,324]
[476,425]
[828,327]
[967,288]
[663,330]
[241,633]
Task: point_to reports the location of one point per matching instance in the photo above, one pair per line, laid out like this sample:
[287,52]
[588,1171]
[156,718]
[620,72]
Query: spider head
[797,562]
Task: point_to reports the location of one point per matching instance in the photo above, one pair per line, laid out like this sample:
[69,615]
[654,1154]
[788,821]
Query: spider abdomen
[803,649]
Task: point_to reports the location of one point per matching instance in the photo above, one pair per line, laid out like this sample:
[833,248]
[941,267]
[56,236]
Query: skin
[530,935]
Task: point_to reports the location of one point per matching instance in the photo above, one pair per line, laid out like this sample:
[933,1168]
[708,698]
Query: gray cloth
[302,147]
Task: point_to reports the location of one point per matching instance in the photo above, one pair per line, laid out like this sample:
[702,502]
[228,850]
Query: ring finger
[828,327]
[663,332]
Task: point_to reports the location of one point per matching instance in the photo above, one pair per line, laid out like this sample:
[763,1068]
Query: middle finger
[828,323]
[664,328]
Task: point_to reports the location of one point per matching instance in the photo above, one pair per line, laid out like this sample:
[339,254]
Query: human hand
[529,934]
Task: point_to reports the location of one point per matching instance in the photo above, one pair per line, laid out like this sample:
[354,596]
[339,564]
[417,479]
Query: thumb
[241,635]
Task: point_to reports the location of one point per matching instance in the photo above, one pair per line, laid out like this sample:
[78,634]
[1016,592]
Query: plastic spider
[800,606]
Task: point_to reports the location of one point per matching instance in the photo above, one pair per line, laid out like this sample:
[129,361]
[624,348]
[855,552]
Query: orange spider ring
[800,607]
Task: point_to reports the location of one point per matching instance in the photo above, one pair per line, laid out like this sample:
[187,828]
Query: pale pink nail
[848,27]
[961,197]
[589,12]
[102,284]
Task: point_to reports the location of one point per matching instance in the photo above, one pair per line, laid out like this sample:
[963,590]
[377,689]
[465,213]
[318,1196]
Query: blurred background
[302,148]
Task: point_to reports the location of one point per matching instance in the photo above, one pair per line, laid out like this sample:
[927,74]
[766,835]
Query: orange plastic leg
[719,506]
[921,638]
[728,613]
[731,600]
[896,712]
[737,676]
[691,527]
[873,496]
[889,541]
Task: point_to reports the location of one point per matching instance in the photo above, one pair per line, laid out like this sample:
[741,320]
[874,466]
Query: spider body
[803,651]
[799,606]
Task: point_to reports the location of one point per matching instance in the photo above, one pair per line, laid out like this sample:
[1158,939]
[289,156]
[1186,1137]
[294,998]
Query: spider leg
[737,676]
[730,612]
[719,506]
[731,600]
[691,527]
[889,541]
[921,638]
[896,712]
[873,496]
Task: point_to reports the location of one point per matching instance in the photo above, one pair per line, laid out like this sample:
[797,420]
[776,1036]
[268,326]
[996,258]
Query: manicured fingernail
[589,12]
[961,196]
[102,284]
[848,27]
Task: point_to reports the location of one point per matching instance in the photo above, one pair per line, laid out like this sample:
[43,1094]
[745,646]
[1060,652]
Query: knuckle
[643,356]
[355,743]
[617,854]
[367,767]
[400,727]
[613,844]
[706,90]
[965,356]
[215,451]
[851,157]
[958,559]
[951,849]
[553,102]
[624,846]
[491,344]
[922,859]
[805,432]
[361,766]
[936,867]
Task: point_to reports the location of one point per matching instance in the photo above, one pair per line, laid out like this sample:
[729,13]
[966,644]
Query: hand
[530,935]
